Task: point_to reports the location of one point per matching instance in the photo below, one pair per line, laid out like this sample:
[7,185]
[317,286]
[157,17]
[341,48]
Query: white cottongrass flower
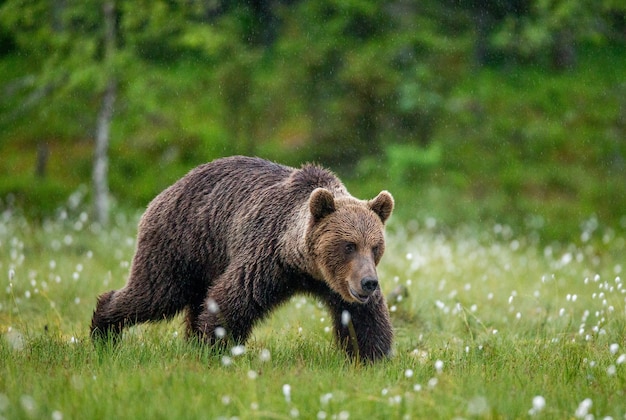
[614,348]
[265,355]
[478,406]
[583,408]
[439,366]
[396,399]
[539,403]
[287,392]
[220,332]
[28,404]
[16,339]
[325,398]
[421,355]
[408,373]
[238,350]
[212,306]
[621,359]
[345,318]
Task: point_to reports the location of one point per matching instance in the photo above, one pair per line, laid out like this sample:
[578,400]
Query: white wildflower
[287,392]
[583,408]
[539,403]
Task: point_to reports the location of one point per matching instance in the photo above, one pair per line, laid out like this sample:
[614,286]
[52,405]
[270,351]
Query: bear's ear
[382,205]
[321,203]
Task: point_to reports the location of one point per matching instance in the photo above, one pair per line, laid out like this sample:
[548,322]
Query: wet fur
[242,235]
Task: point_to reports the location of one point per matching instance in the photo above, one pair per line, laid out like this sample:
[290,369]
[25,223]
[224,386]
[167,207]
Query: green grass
[503,318]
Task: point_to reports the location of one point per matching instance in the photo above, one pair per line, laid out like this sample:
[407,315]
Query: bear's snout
[369,284]
[368,287]
[363,281]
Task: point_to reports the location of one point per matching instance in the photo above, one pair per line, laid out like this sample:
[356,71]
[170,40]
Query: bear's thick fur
[238,236]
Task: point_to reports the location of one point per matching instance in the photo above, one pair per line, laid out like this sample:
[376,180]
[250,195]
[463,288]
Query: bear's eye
[375,250]
[349,248]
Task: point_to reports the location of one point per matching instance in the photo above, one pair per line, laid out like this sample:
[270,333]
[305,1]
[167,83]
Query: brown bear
[237,237]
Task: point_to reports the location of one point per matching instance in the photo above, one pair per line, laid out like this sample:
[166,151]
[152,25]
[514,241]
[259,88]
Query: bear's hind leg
[191,319]
[123,308]
[107,322]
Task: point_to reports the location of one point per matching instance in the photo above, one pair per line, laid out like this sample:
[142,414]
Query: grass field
[495,325]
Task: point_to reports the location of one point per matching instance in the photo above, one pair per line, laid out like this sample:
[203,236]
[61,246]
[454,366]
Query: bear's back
[242,176]
[239,171]
[230,193]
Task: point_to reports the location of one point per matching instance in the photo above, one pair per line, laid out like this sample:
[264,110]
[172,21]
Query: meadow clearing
[494,324]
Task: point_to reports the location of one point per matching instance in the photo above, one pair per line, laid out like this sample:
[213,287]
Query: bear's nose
[369,284]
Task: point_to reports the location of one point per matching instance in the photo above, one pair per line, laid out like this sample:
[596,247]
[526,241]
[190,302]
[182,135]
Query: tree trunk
[42,160]
[564,51]
[484,25]
[101,161]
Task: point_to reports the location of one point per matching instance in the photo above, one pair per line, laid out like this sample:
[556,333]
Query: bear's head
[346,241]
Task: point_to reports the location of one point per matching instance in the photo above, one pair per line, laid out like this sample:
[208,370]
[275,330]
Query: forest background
[497,111]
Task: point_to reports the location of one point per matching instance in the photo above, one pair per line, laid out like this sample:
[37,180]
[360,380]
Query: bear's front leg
[364,331]
[228,313]
[210,326]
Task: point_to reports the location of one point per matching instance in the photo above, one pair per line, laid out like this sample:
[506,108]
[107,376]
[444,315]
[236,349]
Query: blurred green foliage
[502,111]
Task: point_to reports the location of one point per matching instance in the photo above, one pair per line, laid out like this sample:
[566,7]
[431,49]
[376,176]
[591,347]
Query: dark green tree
[82,54]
